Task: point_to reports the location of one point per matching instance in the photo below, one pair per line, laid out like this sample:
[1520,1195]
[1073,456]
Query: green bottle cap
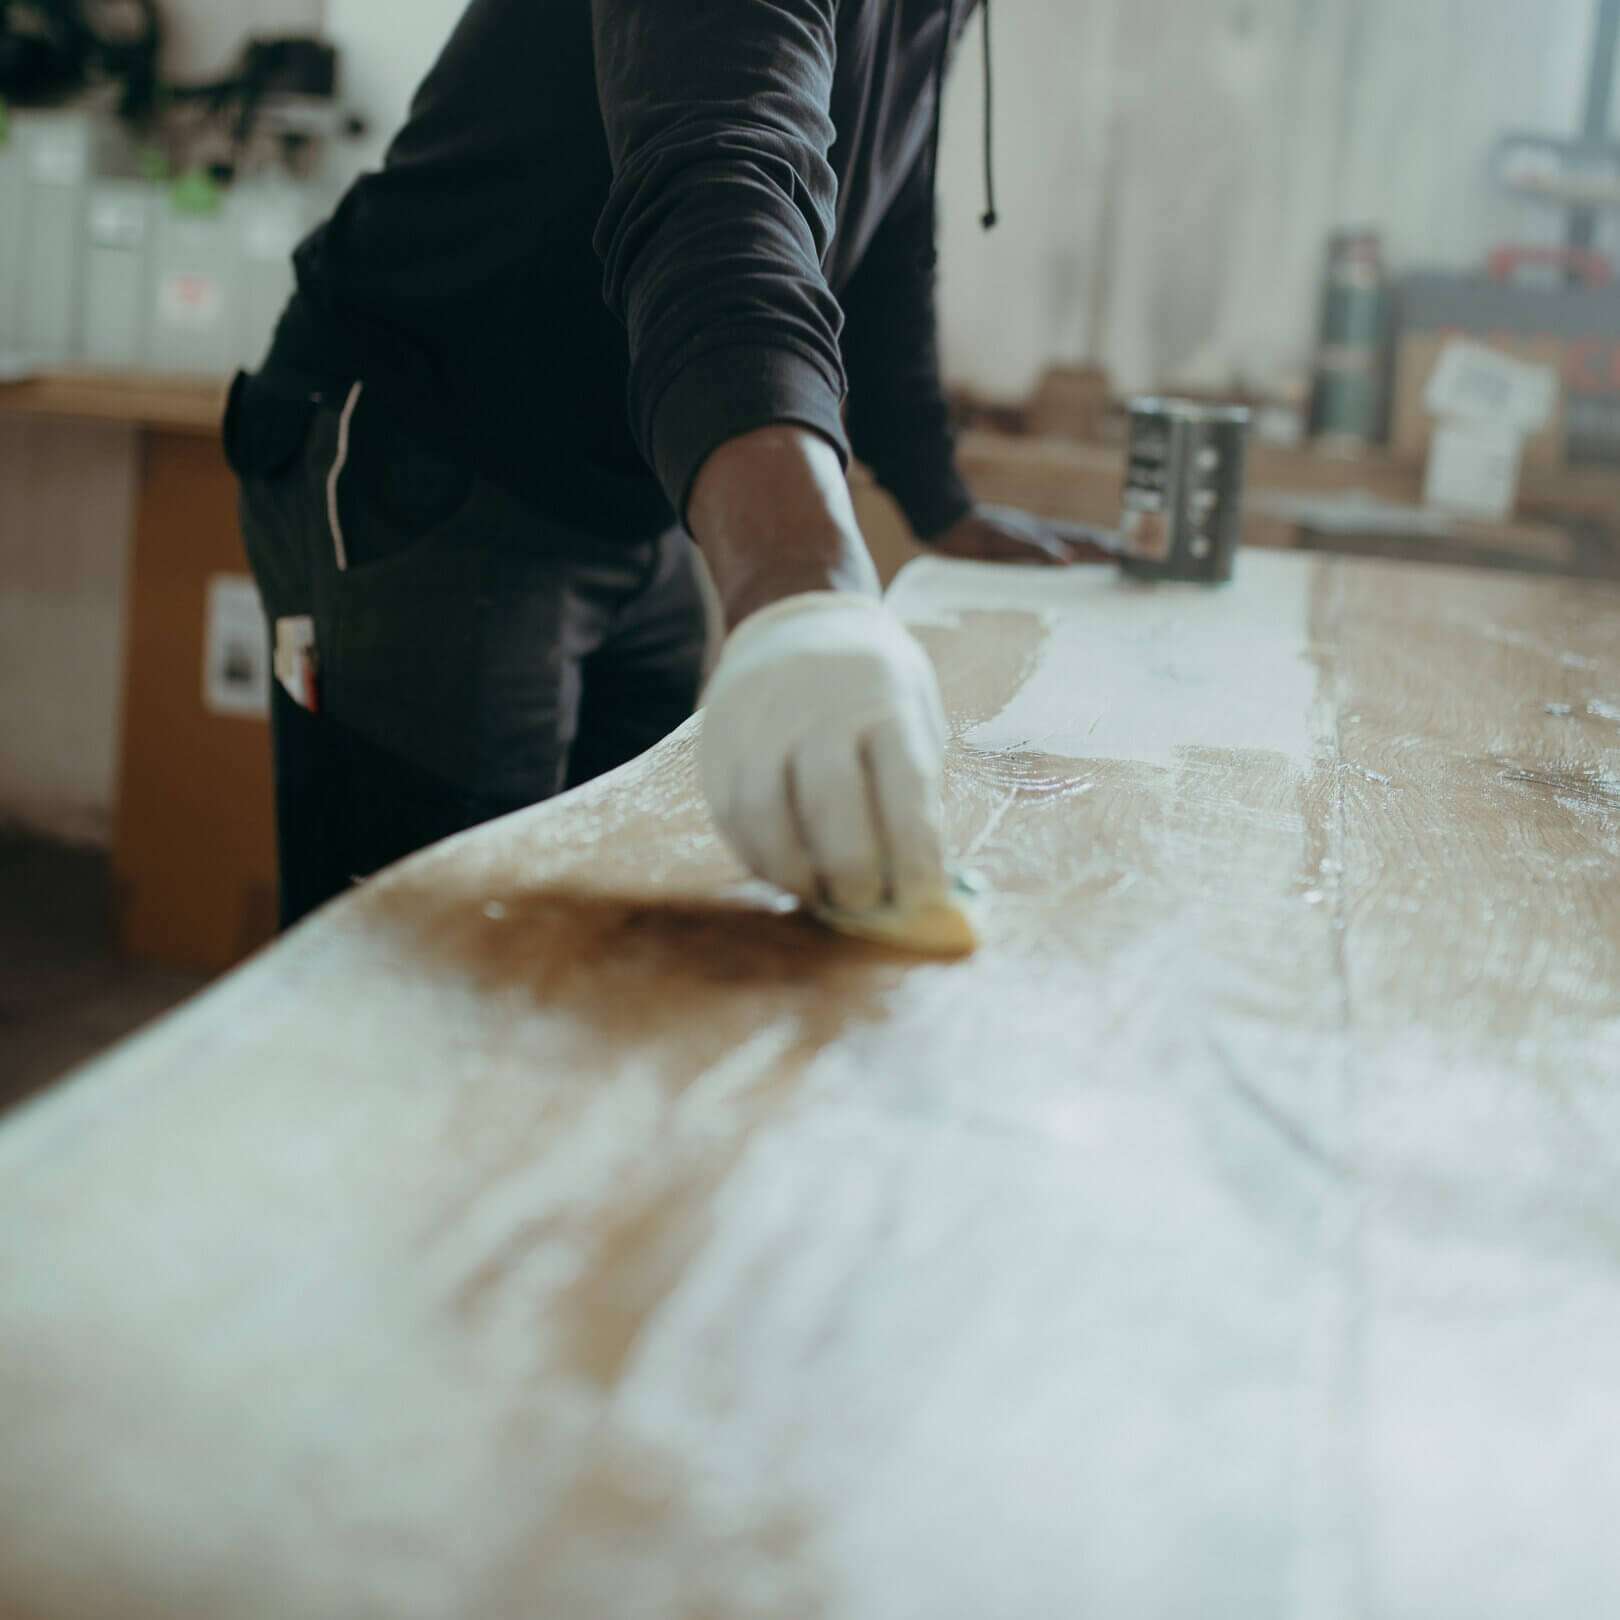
[197,193]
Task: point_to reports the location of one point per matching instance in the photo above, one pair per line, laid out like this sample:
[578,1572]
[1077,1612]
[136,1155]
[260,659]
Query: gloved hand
[823,753]
[1003,534]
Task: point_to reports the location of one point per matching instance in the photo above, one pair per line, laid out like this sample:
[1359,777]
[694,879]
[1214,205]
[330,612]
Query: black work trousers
[445,653]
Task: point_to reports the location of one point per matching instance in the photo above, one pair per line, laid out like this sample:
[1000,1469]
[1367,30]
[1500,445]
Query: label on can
[1183,490]
[1144,528]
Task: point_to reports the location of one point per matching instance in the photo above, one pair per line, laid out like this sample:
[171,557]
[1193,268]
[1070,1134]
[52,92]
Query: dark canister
[1184,490]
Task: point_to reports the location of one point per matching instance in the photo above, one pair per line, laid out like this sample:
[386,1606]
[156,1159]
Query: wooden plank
[1469,868]
[555,1227]
[177,404]
[194,838]
[1084,482]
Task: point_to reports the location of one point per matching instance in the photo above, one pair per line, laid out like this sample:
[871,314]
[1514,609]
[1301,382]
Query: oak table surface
[190,405]
[558,1228]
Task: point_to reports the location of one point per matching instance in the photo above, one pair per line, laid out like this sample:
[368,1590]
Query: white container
[1475,383]
[193,311]
[272,214]
[220,281]
[119,232]
[1474,468]
[1486,405]
[56,150]
[13,234]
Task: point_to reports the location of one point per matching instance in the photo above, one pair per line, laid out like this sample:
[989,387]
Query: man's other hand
[1002,534]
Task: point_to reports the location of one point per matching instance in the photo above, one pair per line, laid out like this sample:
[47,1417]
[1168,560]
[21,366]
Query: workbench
[189,406]
[193,847]
[560,1226]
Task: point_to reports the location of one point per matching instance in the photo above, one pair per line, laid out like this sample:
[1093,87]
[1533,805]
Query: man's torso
[462,279]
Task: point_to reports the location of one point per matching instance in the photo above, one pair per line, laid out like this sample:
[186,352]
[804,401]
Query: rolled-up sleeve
[721,210]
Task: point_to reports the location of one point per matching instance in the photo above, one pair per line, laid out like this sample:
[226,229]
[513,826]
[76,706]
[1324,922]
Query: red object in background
[1569,320]
[1593,268]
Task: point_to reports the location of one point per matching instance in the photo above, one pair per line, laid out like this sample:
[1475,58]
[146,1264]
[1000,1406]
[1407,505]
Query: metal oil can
[1184,490]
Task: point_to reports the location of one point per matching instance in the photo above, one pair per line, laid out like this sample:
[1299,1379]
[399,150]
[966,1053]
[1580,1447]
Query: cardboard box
[1418,359]
[1069,403]
[194,842]
[1574,329]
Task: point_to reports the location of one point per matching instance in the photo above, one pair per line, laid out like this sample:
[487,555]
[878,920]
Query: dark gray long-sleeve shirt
[615,233]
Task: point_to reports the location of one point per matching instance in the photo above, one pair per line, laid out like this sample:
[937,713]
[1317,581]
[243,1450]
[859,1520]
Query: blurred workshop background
[1388,226]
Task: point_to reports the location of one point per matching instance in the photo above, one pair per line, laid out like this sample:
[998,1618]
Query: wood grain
[176,404]
[557,1227]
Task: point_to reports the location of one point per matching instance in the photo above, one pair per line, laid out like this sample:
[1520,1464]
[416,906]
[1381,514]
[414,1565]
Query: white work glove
[823,753]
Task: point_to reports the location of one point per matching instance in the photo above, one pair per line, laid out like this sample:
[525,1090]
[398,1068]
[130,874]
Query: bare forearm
[773,515]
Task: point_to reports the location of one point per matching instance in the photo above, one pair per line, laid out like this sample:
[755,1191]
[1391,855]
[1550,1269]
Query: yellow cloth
[945,928]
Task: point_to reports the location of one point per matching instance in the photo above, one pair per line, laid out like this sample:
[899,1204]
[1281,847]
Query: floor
[64,994]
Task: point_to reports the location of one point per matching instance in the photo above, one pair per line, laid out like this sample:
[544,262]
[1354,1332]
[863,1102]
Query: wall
[387,49]
[1170,170]
[204,36]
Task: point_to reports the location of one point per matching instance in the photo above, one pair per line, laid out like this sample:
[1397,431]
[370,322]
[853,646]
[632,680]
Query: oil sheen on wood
[560,1227]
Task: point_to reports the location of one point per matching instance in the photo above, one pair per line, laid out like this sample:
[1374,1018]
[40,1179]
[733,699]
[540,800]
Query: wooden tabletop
[1338,500]
[556,1228]
[141,399]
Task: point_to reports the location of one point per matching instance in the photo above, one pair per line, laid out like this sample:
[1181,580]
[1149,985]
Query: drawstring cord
[989,217]
[941,64]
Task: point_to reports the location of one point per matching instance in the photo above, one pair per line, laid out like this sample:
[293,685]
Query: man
[466,472]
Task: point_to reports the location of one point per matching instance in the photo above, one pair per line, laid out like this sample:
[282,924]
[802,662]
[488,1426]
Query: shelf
[171,404]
